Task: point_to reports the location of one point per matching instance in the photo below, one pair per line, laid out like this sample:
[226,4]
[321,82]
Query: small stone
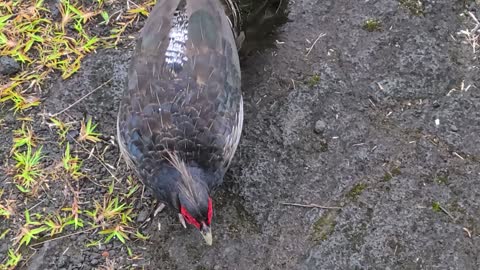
[71,135]
[142,216]
[62,261]
[453,128]
[436,104]
[8,66]
[320,126]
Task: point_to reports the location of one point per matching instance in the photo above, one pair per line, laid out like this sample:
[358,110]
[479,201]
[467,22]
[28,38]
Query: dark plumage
[181,116]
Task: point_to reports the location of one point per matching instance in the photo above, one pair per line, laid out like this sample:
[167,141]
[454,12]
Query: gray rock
[143,215]
[8,66]
[320,126]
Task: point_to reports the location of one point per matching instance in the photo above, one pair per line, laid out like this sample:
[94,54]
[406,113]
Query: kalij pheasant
[181,115]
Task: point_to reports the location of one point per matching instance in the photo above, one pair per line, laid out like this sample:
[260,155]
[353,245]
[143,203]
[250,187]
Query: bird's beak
[206,232]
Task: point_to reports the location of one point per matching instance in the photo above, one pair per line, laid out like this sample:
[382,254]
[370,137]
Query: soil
[361,120]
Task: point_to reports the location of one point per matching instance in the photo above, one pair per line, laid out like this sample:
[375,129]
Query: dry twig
[472,36]
[312,205]
[82,98]
[309,50]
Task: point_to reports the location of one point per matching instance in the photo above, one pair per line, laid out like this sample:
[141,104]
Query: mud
[364,120]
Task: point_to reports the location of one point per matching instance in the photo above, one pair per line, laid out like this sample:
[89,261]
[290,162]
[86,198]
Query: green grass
[436,207]
[43,45]
[4,233]
[23,137]
[87,132]
[372,25]
[110,209]
[74,218]
[119,232]
[4,212]
[28,168]
[12,260]
[72,165]
[47,47]
[55,224]
[6,209]
[30,230]
[31,37]
[62,129]
[114,217]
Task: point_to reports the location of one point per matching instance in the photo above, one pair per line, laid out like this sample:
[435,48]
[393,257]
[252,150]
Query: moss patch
[442,180]
[436,207]
[414,6]
[356,191]
[372,25]
[314,80]
[387,177]
[392,173]
[395,171]
[324,226]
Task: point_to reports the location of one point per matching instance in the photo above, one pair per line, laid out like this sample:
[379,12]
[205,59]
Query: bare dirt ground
[363,118]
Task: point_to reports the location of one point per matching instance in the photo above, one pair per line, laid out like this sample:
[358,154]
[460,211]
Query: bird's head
[198,214]
[194,202]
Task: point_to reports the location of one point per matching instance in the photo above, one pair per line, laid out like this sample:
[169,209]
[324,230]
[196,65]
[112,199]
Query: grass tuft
[72,165]
[87,132]
[30,230]
[28,167]
[23,137]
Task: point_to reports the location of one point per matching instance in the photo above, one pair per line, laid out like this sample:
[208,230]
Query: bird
[180,117]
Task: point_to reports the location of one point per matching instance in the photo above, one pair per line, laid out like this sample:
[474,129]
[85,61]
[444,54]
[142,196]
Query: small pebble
[142,216]
[320,126]
[453,128]
[71,135]
[8,66]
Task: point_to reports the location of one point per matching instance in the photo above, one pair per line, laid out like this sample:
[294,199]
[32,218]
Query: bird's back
[183,94]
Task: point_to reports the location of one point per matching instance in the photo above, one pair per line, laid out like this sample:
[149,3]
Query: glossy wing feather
[183,91]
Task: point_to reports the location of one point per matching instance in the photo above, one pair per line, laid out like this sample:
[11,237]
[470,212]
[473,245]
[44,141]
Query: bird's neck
[167,181]
[208,177]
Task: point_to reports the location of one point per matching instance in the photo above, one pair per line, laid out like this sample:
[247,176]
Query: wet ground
[361,120]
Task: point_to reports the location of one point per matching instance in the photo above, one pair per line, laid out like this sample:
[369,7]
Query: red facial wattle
[191,220]
[188,218]
[210,211]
